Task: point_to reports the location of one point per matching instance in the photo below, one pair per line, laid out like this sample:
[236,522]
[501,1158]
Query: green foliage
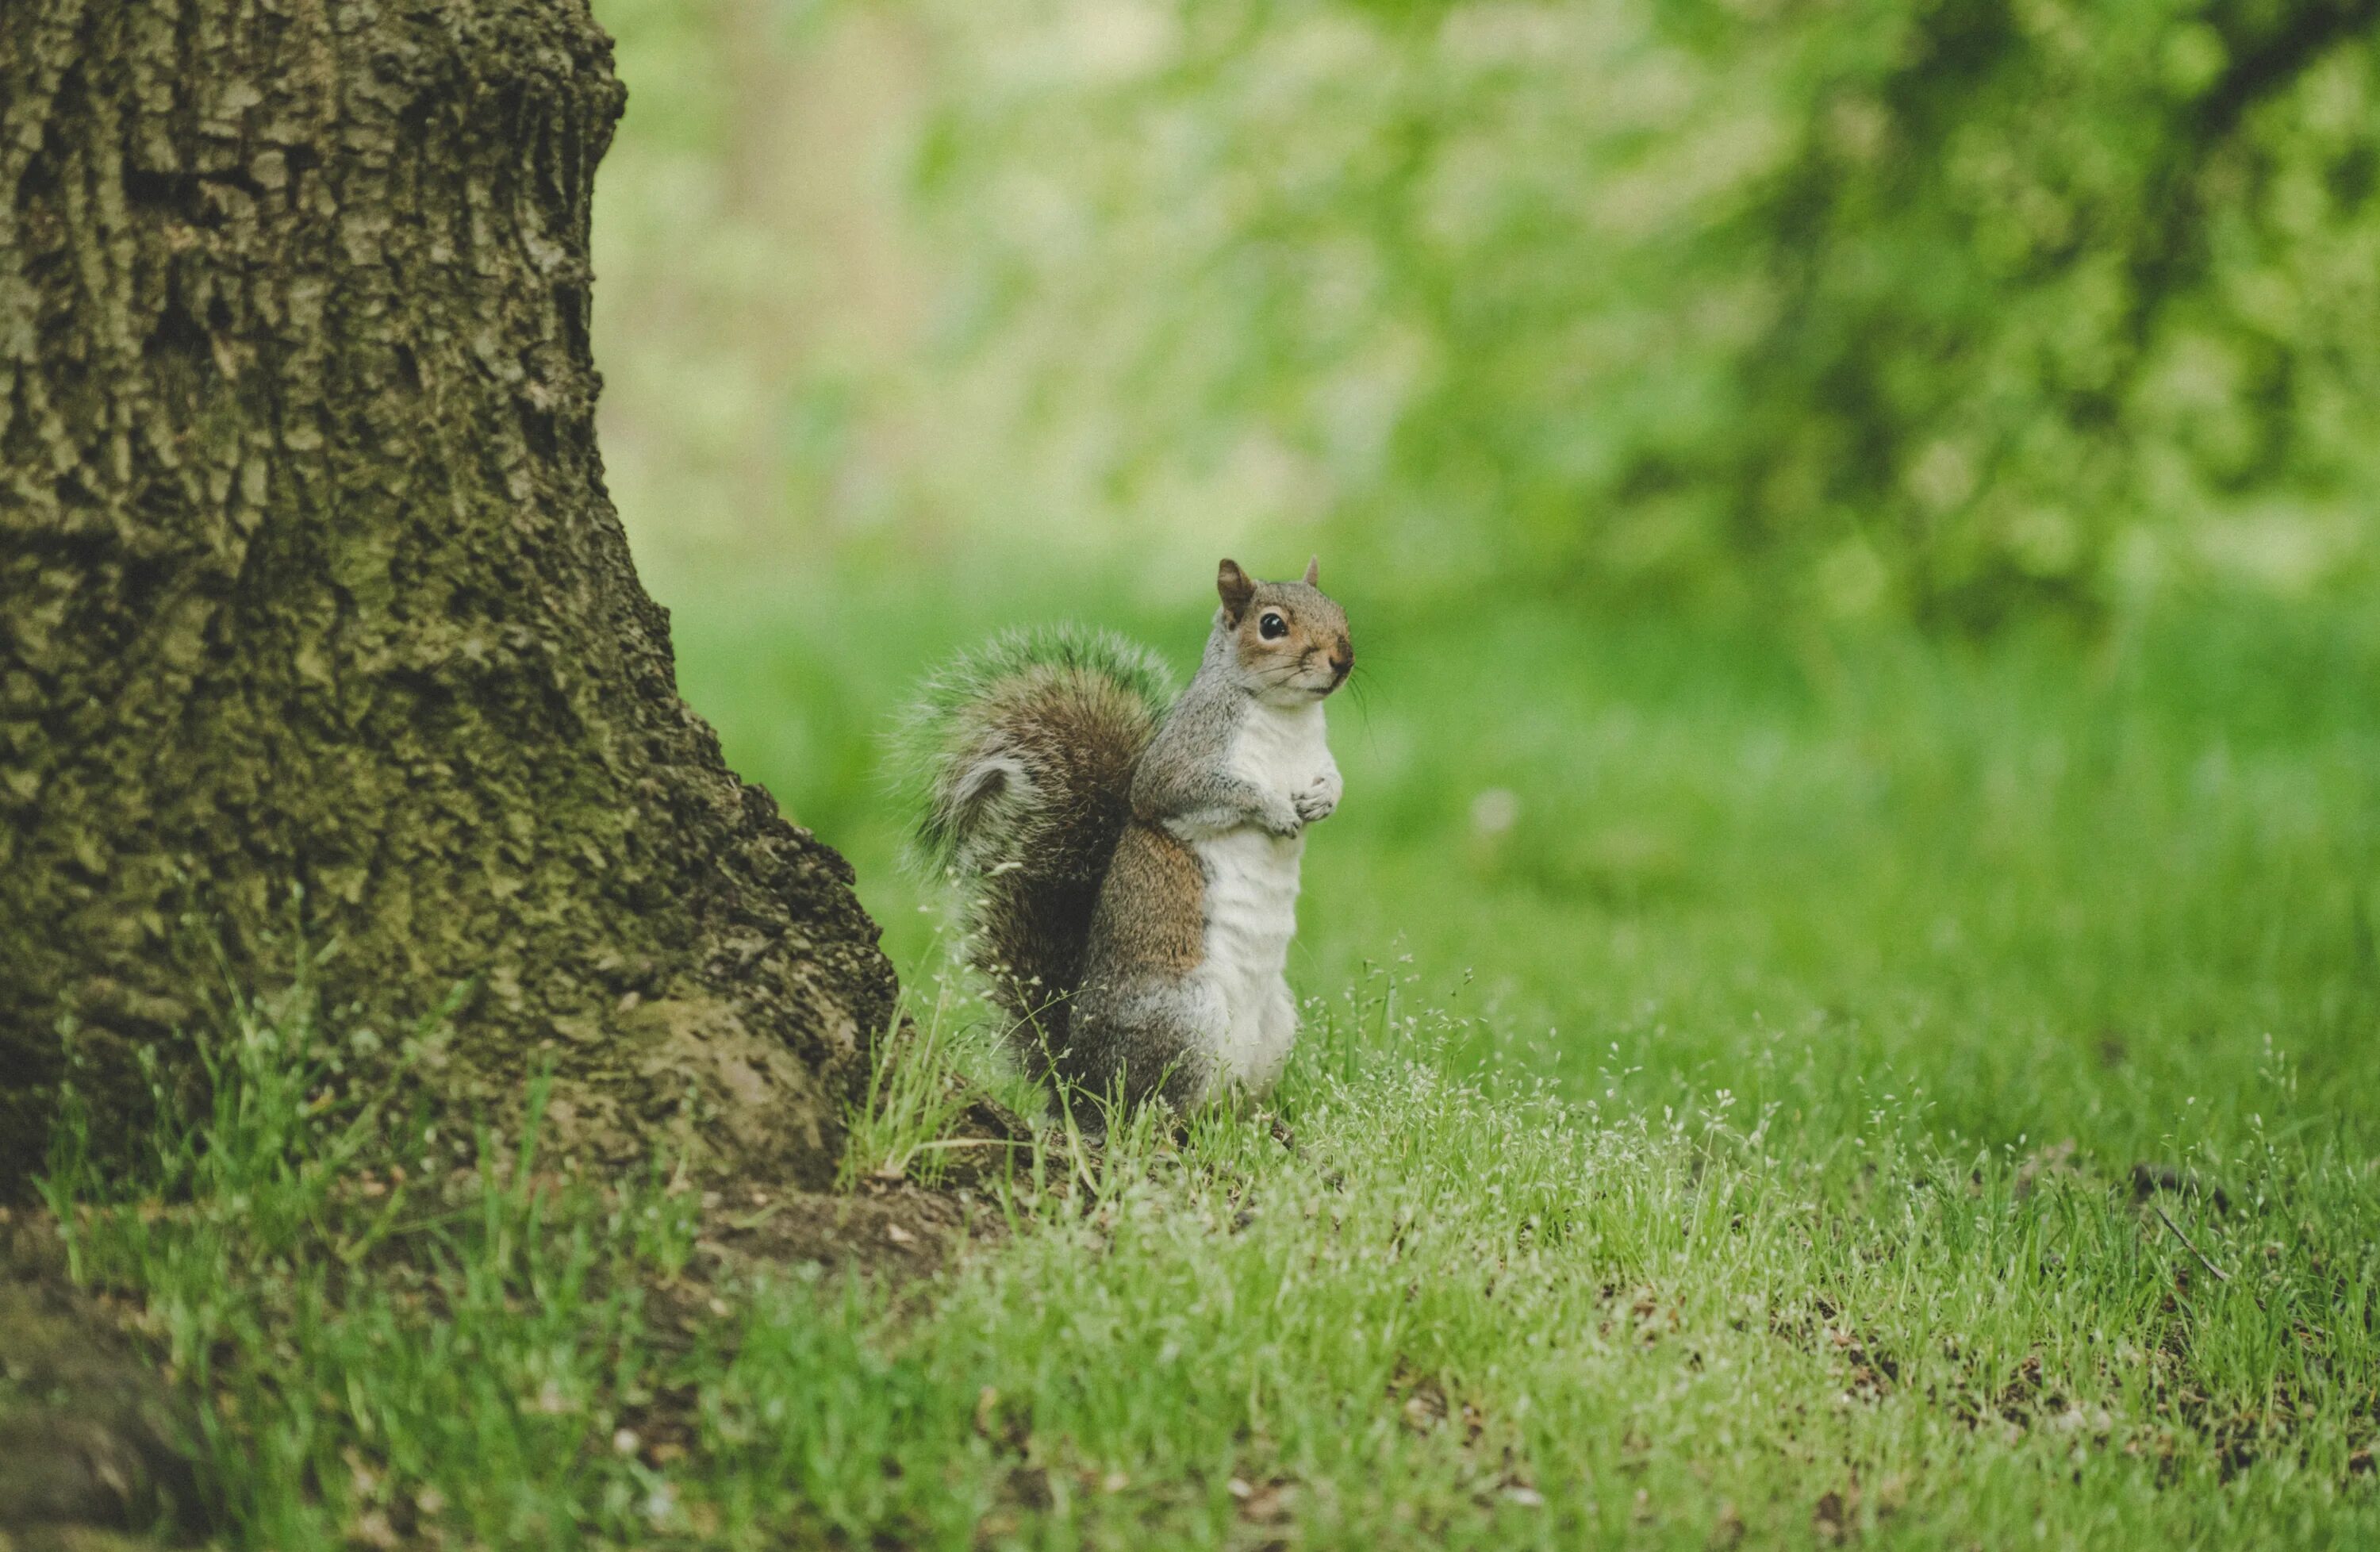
[1957,306]
[1963,310]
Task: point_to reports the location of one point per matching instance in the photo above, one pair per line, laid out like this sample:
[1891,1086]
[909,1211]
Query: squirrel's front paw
[1275,817]
[1319,801]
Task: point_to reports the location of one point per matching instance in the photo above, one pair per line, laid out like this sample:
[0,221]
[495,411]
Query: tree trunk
[308,577]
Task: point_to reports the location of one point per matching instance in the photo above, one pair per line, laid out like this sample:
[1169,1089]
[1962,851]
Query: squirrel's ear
[1313,571]
[1235,589]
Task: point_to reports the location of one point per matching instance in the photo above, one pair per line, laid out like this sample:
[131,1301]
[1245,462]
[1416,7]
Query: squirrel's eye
[1272,627]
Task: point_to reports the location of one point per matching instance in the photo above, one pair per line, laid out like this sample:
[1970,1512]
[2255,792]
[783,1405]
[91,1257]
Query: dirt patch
[891,1231]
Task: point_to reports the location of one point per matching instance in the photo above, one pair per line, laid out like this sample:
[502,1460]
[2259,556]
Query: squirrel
[1127,860]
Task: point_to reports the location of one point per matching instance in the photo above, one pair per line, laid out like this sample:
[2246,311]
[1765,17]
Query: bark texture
[307,576]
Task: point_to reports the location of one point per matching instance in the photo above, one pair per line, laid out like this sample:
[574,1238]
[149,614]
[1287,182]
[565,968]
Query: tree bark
[308,577]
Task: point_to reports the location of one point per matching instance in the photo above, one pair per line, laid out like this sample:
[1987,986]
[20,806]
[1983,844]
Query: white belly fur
[1251,901]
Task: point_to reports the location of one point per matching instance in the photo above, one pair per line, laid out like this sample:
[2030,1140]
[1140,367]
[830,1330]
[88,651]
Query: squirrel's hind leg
[1276,1026]
[1139,1044]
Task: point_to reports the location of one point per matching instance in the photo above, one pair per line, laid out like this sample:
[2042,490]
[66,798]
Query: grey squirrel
[1129,860]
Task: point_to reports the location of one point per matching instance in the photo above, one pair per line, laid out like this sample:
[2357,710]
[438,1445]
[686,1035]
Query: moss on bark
[307,576]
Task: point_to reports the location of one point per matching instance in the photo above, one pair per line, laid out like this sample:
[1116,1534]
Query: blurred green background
[1858,517]
[1956,310]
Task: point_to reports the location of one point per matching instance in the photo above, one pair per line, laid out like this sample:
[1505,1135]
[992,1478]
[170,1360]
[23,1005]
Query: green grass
[2033,891]
[1727,1054]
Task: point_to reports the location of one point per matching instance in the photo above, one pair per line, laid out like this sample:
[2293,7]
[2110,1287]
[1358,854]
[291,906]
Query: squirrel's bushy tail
[1017,761]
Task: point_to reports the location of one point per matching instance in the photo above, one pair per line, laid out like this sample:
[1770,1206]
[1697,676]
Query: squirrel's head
[1288,638]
